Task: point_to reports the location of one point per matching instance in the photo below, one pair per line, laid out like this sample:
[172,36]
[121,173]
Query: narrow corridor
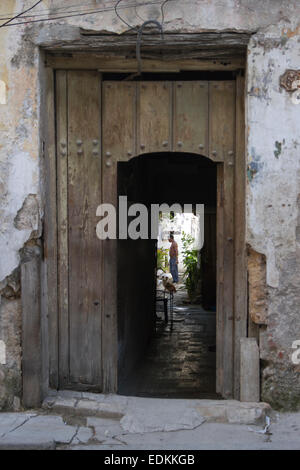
[181,359]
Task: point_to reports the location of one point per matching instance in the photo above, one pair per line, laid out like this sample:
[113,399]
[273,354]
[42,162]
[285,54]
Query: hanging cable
[137,14]
[120,17]
[20,14]
[139,40]
[103,10]
[162,12]
[57,10]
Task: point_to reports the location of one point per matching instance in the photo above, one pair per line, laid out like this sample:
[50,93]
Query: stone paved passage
[181,359]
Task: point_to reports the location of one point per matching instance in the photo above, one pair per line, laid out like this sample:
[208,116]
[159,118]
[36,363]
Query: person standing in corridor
[173,258]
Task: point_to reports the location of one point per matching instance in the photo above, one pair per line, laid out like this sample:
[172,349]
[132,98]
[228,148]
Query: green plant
[162,258]
[191,265]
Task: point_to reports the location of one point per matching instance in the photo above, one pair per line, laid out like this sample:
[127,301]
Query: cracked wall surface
[272,207]
[273,147]
[19,178]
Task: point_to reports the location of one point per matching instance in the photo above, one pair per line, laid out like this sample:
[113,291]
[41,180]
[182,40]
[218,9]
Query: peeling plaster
[28,217]
[273,129]
[22,181]
[289,33]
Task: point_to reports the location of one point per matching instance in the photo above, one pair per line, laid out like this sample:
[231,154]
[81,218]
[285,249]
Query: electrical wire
[103,10]
[139,40]
[80,8]
[162,12]
[47,11]
[120,17]
[138,15]
[20,14]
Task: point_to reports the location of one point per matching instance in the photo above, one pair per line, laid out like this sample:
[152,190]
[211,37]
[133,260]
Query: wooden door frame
[50,272]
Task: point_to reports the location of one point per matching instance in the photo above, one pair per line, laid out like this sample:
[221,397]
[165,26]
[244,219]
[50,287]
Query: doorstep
[140,412]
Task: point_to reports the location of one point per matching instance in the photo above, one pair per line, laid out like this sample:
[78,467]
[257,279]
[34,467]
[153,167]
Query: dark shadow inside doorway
[178,358]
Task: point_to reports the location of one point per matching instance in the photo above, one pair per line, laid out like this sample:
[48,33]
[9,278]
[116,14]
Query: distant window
[2,92]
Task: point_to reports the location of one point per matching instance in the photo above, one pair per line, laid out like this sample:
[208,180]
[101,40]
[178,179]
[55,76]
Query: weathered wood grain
[109,262]
[208,45]
[228,112]
[84,248]
[154,117]
[220,280]
[240,262]
[124,64]
[119,120]
[222,148]
[137,118]
[62,225]
[50,231]
[191,117]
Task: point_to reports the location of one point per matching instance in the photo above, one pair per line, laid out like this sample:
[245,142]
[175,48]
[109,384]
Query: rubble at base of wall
[281,389]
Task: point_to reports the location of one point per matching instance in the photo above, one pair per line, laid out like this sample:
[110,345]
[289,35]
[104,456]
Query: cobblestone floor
[181,359]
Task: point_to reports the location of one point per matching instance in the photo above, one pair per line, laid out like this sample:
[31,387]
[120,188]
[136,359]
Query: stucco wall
[273,147]
[20,211]
[273,153]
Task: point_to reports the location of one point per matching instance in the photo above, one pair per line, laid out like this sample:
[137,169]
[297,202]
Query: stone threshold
[135,410]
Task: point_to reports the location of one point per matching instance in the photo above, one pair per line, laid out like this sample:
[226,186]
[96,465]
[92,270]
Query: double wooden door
[98,124]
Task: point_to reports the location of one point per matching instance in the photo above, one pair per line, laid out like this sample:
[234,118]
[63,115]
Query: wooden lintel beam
[119,65]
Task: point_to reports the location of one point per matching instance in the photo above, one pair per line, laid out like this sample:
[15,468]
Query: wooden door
[98,125]
[79,250]
[197,117]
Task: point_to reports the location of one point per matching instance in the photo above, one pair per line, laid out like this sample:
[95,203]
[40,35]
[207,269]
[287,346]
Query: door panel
[221,119]
[62,223]
[154,117]
[118,132]
[222,149]
[79,248]
[191,117]
[119,120]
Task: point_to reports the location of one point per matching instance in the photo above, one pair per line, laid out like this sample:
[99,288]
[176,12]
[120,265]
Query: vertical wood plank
[50,231]
[191,117]
[119,120]
[84,250]
[154,117]
[220,279]
[221,119]
[110,97]
[240,265]
[221,148]
[228,314]
[62,223]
